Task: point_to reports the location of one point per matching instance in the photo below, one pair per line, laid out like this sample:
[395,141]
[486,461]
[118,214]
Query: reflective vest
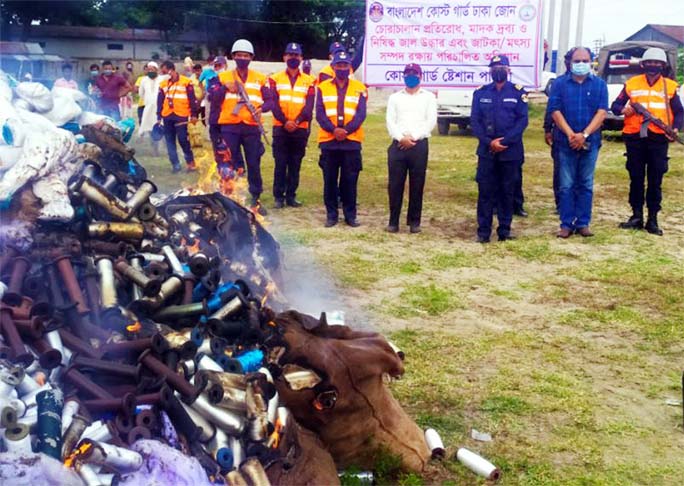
[331,72]
[653,98]
[355,90]
[176,95]
[253,86]
[292,98]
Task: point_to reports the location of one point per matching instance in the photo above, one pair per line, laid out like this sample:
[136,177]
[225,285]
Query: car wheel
[443,127]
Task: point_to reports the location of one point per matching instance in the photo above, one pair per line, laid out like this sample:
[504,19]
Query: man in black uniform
[498,119]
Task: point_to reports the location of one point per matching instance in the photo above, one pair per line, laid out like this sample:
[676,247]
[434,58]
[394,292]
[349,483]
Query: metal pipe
[149,286]
[189,392]
[20,268]
[141,195]
[48,357]
[107,284]
[74,343]
[126,404]
[97,194]
[208,431]
[172,285]
[63,264]
[17,439]
[238,450]
[124,231]
[13,339]
[229,422]
[123,348]
[174,262]
[70,409]
[120,459]
[179,416]
[478,464]
[84,384]
[175,312]
[114,249]
[109,367]
[49,441]
[435,444]
[204,362]
[234,478]
[188,287]
[254,472]
[31,329]
[137,262]
[100,431]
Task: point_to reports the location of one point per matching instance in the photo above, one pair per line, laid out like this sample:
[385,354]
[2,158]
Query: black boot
[652,224]
[635,221]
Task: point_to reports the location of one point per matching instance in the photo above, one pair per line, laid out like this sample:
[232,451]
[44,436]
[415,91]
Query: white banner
[453,42]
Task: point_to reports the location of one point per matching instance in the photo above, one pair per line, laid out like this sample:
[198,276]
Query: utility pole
[550,28]
[580,23]
[564,34]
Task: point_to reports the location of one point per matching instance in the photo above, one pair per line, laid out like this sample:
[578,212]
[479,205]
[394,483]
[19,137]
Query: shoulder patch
[519,87]
[524,98]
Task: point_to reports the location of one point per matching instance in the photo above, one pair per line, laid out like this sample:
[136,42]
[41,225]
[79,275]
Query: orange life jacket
[176,100]
[292,98]
[255,81]
[355,91]
[656,99]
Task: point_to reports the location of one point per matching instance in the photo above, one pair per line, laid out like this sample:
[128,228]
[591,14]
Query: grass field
[564,351]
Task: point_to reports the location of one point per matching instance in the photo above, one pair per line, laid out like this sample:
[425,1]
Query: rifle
[649,118]
[244,100]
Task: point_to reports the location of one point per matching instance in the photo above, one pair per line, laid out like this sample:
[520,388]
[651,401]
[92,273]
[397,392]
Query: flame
[317,405]
[274,439]
[271,287]
[40,378]
[76,453]
[135,327]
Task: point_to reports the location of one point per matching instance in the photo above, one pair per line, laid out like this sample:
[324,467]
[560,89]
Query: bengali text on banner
[453,42]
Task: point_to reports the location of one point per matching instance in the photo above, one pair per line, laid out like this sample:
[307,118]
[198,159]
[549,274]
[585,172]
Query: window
[115,47]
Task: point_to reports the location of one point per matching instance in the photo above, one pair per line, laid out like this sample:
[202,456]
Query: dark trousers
[400,163]
[646,158]
[140,114]
[518,196]
[496,184]
[250,141]
[288,153]
[203,115]
[340,168]
[556,173]
[172,131]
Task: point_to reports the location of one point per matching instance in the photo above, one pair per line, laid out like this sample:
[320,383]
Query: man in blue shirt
[578,106]
[498,119]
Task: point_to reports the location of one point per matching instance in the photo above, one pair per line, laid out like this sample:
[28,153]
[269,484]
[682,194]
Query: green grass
[564,351]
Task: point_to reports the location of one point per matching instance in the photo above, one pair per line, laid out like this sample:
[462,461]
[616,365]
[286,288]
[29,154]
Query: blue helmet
[157,132]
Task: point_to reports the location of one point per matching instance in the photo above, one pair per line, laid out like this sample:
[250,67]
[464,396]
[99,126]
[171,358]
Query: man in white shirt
[411,117]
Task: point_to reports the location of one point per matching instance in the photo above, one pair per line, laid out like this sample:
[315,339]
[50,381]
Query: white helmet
[654,54]
[242,45]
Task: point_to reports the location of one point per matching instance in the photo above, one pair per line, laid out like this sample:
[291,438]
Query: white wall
[97,49]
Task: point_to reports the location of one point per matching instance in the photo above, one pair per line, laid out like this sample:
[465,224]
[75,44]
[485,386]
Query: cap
[153,64]
[221,60]
[413,67]
[336,47]
[499,61]
[293,48]
[341,57]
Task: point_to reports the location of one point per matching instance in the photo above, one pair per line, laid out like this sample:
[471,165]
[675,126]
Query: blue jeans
[576,186]
[172,131]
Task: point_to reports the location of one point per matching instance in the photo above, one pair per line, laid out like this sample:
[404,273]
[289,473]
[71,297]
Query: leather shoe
[506,237]
[415,228]
[329,223]
[353,223]
[564,233]
[293,203]
[392,228]
[521,212]
[279,204]
[482,239]
[635,221]
[585,232]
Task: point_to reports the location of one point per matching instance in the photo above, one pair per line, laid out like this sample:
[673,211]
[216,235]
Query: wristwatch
[585,135]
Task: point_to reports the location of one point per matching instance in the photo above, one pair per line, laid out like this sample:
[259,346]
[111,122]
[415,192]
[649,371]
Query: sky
[615,20]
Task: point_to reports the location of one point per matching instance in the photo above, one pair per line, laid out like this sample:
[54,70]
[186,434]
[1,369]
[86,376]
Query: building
[669,34]
[21,58]
[74,42]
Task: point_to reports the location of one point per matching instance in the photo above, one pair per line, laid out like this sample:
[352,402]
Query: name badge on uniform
[511,100]
[485,100]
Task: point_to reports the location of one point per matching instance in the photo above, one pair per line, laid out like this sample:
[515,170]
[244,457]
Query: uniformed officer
[176,104]
[647,152]
[498,118]
[293,102]
[328,71]
[340,112]
[239,127]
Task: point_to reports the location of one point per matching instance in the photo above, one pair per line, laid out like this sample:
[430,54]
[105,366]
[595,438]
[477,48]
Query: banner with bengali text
[453,42]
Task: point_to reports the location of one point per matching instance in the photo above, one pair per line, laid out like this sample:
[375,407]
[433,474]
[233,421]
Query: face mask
[411,81]
[293,63]
[342,74]
[129,67]
[653,70]
[107,72]
[581,68]
[94,73]
[499,75]
[242,63]
[151,75]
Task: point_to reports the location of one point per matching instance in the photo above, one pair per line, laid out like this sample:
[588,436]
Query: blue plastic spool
[224,456]
[245,363]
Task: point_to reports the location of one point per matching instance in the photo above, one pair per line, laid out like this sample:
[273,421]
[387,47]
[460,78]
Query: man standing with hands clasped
[498,119]
[411,117]
[578,106]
